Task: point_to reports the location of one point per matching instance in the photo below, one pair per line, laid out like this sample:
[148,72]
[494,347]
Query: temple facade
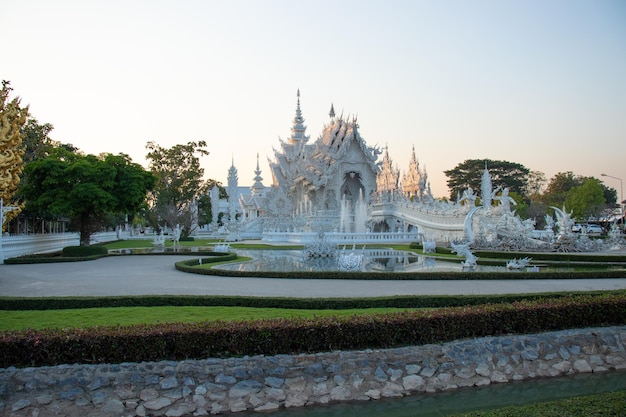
[317,184]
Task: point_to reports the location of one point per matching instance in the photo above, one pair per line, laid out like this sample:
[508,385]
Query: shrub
[84,251]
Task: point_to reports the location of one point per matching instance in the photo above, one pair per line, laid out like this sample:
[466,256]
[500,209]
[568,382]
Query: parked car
[594,229]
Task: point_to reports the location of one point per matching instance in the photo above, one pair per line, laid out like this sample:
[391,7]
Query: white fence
[20,245]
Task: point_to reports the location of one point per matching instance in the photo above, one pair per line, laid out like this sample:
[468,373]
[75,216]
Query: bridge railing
[341,238]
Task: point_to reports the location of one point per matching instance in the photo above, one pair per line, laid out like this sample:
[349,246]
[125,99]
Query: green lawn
[89,317]
[612,404]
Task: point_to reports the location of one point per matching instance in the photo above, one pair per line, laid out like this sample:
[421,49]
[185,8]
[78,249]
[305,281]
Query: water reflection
[374,260]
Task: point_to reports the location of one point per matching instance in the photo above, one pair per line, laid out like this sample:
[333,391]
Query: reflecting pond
[374,260]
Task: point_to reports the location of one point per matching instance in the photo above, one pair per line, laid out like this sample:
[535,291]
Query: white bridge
[431,223]
[343,238]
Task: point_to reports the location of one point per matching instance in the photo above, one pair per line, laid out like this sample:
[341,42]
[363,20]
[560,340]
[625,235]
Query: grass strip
[123,316]
[612,404]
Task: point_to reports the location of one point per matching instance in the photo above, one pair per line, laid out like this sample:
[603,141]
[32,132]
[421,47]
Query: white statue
[463,249]
[176,234]
[518,263]
[159,240]
[505,199]
[352,261]
[469,196]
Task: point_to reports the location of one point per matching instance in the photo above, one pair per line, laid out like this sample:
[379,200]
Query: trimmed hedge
[84,251]
[400,301]
[192,267]
[293,336]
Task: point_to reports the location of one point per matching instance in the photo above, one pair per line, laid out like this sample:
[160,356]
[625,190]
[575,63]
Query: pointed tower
[298,130]
[232,190]
[411,180]
[387,178]
[258,187]
[486,187]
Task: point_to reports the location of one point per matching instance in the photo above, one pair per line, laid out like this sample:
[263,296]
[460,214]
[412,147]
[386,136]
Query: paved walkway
[143,275]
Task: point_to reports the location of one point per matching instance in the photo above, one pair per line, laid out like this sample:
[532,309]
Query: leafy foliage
[77,251]
[587,199]
[85,187]
[179,181]
[504,174]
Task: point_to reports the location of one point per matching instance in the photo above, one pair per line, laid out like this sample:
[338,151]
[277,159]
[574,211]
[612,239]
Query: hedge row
[401,301]
[70,254]
[191,265]
[566,257]
[78,251]
[293,336]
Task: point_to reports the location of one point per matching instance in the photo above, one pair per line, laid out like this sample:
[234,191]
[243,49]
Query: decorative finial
[332,111]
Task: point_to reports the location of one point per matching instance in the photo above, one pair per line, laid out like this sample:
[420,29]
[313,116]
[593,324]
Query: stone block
[157,403]
[412,382]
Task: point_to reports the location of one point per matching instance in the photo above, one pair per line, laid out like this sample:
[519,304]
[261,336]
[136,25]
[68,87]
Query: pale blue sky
[541,83]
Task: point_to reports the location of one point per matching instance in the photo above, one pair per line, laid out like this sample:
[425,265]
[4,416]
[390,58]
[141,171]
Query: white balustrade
[12,246]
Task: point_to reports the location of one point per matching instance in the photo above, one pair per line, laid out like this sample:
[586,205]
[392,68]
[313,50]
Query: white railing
[341,238]
[12,246]
[20,245]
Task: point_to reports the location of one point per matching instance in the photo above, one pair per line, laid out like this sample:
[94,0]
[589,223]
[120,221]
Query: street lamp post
[621,195]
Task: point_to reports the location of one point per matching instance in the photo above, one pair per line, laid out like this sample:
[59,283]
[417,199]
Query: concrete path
[143,275]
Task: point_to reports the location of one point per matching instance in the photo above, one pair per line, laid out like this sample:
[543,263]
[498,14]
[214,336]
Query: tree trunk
[85,230]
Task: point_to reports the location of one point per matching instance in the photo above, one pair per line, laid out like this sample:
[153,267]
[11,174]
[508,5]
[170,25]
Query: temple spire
[258,187]
[298,129]
[332,111]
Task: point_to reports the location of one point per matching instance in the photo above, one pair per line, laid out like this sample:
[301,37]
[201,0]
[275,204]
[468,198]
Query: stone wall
[265,383]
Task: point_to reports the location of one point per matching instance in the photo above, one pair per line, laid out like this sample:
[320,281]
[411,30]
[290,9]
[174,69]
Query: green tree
[36,141]
[469,173]
[535,185]
[86,188]
[586,199]
[205,210]
[179,181]
[559,186]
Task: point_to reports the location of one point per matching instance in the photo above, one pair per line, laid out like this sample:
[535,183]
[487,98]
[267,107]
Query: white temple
[336,185]
[313,182]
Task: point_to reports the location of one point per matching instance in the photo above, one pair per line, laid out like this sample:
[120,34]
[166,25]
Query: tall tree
[503,174]
[179,177]
[586,199]
[559,186]
[535,185]
[36,140]
[12,118]
[85,187]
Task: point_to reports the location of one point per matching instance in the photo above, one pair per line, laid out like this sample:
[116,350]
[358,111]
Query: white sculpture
[320,247]
[429,246]
[463,249]
[518,263]
[505,199]
[351,261]
[469,196]
[159,240]
[176,235]
[222,247]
